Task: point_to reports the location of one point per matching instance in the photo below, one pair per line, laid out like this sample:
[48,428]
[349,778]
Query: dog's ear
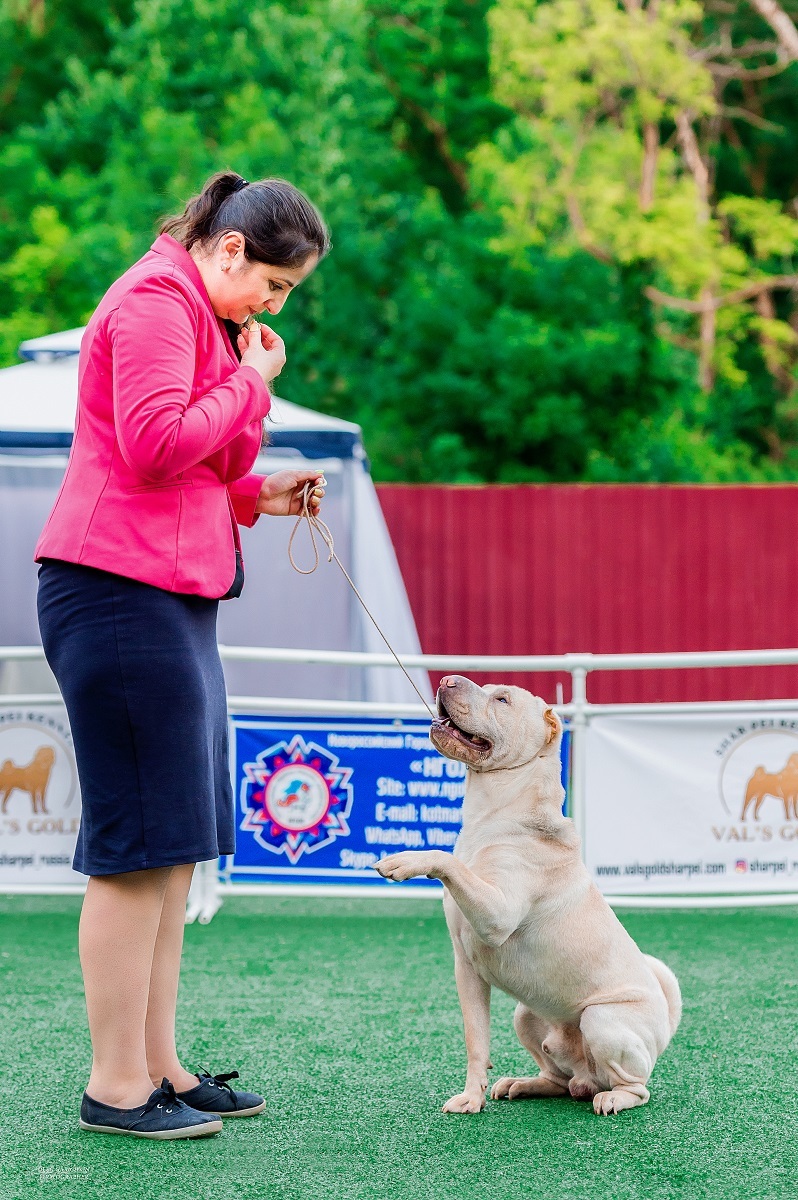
[550,717]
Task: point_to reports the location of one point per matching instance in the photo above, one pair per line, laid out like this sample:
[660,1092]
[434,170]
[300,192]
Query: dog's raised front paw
[466,1102]
[408,864]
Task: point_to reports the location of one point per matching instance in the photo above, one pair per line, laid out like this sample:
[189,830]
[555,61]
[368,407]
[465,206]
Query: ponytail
[195,223]
[279,224]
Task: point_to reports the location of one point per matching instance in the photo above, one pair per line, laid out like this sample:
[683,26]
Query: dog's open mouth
[444,722]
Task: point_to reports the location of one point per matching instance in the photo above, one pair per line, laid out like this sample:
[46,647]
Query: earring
[225,266]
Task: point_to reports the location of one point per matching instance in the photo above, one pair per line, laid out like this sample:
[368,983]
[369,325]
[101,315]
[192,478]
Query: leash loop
[314,524]
[317,526]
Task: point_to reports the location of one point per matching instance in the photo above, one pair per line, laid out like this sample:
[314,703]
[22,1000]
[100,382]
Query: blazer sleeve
[243,496]
[161,426]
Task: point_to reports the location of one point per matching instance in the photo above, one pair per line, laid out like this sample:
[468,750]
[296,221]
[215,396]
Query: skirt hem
[182,860]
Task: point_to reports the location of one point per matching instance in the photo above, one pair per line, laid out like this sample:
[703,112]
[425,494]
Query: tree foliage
[564,230]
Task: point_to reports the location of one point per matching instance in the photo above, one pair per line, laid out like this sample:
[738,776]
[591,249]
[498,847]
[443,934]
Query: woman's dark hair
[279,223]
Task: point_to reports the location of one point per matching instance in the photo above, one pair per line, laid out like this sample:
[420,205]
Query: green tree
[622,113]
[433,57]
[485,315]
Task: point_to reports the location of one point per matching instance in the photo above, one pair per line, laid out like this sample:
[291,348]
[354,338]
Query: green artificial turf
[344,1012]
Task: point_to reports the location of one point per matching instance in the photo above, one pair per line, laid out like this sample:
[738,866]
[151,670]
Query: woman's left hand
[281,493]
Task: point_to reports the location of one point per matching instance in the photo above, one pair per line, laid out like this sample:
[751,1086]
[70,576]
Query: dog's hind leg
[533,1034]
[622,1058]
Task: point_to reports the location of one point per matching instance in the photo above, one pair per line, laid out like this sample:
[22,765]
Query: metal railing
[578,712]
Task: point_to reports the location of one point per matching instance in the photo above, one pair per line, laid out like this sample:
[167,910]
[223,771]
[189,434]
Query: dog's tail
[670,986]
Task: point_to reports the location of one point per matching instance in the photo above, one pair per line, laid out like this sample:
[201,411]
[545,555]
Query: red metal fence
[548,569]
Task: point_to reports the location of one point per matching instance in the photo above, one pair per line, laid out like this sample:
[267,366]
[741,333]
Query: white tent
[278,607]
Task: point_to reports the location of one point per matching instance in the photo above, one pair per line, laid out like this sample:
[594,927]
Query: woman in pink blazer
[140,546]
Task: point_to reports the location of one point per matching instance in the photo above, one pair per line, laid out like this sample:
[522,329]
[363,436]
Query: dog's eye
[502,700]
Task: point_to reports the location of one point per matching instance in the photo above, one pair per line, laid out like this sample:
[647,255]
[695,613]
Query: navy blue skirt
[144,689]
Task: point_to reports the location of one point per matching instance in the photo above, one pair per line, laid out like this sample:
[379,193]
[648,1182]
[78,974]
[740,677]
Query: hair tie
[241,183]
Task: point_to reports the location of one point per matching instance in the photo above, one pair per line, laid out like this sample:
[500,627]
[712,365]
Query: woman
[141,545]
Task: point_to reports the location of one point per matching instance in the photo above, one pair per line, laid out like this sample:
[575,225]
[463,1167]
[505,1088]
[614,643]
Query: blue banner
[321,799]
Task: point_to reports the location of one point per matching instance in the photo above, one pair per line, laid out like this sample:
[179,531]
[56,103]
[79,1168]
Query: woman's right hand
[262,349]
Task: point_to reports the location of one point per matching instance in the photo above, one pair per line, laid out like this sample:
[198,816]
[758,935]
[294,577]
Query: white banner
[675,803]
[693,802]
[39,797]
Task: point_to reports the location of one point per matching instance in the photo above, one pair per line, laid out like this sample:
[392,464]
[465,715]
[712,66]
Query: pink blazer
[168,428]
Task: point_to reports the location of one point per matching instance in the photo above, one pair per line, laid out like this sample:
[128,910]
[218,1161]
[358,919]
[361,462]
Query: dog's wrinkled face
[493,726]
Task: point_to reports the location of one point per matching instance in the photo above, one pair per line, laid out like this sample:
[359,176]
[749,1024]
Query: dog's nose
[449,681]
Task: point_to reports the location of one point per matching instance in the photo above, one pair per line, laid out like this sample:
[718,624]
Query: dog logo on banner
[296,798]
[759,775]
[38,779]
[780,785]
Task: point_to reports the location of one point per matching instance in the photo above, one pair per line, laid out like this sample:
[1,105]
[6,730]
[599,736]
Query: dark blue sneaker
[163,1116]
[213,1094]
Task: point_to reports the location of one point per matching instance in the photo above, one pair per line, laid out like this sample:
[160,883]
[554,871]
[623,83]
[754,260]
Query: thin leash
[317,526]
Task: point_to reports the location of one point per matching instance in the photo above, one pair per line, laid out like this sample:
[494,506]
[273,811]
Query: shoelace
[316,525]
[219,1081]
[164,1097]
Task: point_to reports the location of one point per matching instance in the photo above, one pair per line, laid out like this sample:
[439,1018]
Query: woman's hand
[262,349]
[281,493]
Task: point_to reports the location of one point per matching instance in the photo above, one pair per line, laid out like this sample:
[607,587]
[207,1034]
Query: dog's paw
[606,1103]
[466,1102]
[408,864]
[526,1087]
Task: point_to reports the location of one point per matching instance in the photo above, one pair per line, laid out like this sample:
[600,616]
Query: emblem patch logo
[38,778]
[759,776]
[295,798]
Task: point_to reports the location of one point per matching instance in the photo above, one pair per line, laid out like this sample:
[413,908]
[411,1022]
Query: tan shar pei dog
[524,915]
